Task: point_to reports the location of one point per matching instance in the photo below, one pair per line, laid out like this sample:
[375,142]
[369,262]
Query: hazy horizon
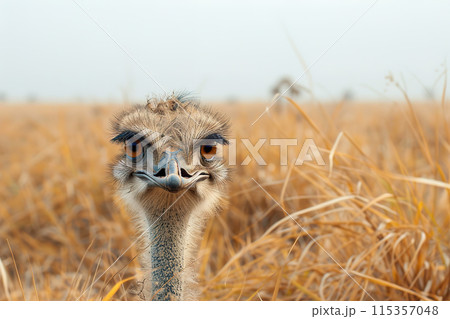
[54,51]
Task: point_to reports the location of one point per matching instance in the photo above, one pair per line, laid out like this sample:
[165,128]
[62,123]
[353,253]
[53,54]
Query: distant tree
[232,99]
[429,93]
[31,98]
[293,91]
[348,95]
[283,84]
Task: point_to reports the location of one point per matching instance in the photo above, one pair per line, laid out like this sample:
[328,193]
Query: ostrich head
[172,178]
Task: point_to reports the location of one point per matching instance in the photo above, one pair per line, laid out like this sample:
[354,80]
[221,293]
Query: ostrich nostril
[184,173]
[161,173]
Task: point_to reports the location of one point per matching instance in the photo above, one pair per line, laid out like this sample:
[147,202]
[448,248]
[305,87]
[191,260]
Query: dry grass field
[372,223]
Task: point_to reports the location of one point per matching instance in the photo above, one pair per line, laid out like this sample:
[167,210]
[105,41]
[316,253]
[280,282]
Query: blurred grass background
[381,210]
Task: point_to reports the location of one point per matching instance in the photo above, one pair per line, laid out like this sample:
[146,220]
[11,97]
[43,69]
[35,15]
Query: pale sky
[219,49]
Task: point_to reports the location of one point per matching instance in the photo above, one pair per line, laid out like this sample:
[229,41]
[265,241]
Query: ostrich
[172,179]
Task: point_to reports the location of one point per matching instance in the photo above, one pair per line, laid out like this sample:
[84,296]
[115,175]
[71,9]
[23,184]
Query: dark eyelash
[220,139]
[123,137]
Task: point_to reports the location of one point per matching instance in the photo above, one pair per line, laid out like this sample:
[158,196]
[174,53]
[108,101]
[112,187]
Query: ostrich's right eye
[134,150]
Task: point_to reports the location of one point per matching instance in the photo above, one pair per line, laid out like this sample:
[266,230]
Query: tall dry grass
[372,223]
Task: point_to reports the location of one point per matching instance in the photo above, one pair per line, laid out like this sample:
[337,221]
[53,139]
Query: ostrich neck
[167,254]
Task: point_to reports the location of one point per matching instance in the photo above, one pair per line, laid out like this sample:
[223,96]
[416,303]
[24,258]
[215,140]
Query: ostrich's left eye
[208,152]
[134,150]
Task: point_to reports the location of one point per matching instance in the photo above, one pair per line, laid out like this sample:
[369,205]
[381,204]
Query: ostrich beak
[170,175]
